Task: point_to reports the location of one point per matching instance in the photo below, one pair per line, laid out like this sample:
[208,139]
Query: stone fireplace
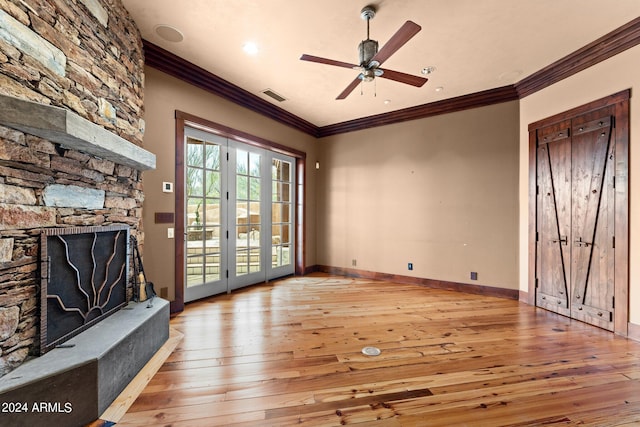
[84,279]
[71,158]
[71,130]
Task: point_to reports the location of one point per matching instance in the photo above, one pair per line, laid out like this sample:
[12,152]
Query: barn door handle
[579,242]
[562,239]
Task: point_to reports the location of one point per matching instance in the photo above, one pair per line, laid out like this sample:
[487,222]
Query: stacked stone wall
[85,56]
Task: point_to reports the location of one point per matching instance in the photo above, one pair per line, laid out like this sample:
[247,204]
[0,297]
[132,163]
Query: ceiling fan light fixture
[367,49]
[371,58]
[367,75]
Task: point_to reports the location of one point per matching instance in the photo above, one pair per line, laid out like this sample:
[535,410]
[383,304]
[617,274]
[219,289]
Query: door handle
[579,242]
[562,239]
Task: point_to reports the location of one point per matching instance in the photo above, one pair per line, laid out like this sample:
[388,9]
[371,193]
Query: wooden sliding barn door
[554,218]
[576,218]
[593,219]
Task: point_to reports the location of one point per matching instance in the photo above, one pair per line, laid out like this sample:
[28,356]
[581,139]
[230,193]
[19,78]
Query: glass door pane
[282,185]
[204,257]
[248,215]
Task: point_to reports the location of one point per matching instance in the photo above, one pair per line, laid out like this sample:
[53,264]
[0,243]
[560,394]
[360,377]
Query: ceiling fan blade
[349,88]
[403,78]
[326,61]
[403,35]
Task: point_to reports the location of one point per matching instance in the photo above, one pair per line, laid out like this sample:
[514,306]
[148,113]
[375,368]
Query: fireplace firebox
[84,279]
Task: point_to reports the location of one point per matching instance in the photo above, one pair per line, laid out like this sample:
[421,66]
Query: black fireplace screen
[84,279]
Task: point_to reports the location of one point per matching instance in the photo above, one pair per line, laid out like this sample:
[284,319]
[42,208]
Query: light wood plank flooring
[289,353]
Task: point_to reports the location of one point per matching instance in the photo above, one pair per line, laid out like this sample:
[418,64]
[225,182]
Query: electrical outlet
[410,266]
[474,275]
[354,263]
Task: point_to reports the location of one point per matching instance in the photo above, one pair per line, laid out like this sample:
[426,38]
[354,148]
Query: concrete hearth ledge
[74,385]
[72,131]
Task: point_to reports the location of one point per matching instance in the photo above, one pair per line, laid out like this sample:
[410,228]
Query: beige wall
[431,192]
[611,76]
[439,192]
[446,193]
[163,96]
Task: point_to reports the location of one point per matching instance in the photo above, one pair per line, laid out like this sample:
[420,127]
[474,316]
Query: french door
[238,213]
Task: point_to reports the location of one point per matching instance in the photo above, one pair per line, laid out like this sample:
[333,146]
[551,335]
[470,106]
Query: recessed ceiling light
[250,48]
[428,70]
[169,33]
[387,101]
[439,89]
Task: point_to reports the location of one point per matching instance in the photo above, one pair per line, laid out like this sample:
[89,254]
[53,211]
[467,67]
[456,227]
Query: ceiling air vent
[274,95]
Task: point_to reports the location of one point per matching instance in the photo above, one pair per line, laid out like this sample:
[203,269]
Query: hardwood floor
[289,352]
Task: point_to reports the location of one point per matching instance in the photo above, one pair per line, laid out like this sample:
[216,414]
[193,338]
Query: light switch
[170,233]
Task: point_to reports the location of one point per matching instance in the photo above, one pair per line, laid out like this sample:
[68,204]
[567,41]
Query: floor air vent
[274,95]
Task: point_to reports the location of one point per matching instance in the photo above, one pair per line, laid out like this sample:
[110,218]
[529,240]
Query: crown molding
[605,47]
[175,66]
[450,105]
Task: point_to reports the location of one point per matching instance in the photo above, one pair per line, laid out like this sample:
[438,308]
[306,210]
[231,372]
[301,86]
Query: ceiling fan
[371,58]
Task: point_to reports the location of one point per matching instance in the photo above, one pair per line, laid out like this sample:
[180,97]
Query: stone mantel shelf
[64,127]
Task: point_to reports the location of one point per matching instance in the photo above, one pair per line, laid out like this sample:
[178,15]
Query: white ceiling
[474,45]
